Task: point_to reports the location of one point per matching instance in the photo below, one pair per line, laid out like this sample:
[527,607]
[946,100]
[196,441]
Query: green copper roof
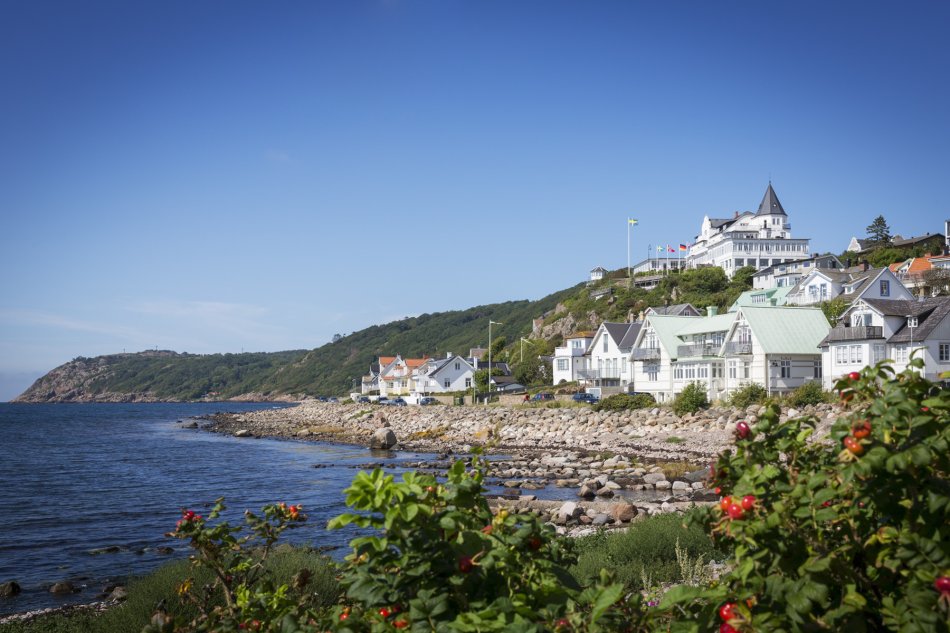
[787,330]
[699,325]
[666,329]
[745,299]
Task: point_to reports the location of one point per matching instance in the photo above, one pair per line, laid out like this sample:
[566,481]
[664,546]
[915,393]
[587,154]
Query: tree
[496,347]
[878,231]
[938,280]
[481,378]
[337,337]
[834,309]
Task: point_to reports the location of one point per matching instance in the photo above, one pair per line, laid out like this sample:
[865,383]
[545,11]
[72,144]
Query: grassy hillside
[336,368]
[330,369]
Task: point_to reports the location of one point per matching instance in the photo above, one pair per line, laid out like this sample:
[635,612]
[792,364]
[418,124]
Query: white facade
[569,359]
[872,331]
[759,239]
[452,373]
[607,365]
[824,285]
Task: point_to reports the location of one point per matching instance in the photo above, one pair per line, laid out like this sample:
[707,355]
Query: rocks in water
[680,485]
[9,589]
[164,549]
[189,425]
[111,549]
[654,478]
[62,587]
[383,438]
[243,433]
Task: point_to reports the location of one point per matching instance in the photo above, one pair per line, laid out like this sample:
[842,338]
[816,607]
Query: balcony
[855,333]
[598,374]
[567,352]
[737,348]
[697,349]
[646,353]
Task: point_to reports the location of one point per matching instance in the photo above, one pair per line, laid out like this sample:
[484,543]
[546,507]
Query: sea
[88,491]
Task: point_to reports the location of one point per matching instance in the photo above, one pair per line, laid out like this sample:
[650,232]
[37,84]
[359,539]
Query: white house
[596,275]
[854,283]
[759,239]
[569,359]
[672,351]
[439,375]
[777,348]
[872,330]
[608,362]
[788,274]
[773,346]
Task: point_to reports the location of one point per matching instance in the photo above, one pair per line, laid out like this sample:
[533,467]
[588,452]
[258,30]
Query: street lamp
[911,324]
[488,382]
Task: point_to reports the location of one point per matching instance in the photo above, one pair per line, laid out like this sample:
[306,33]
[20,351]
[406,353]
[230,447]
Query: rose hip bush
[441,562]
[251,601]
[845,533]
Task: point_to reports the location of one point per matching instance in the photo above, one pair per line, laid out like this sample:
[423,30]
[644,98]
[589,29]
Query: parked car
[585,397]
[426,400]
[397,402]
[322,398]
[363,400]
[544,395]
[383,400]
[334,399]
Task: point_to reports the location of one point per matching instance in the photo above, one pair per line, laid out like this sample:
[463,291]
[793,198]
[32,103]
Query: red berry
[487,529]
[534,543]
[725,502]
[401,624]
[861,429]
[718,490]
[742,430]
[384,612]
[736,511]
[727,611]
[465,564]
[853,445]
[826,504]
[942,584]
[748,502]
[344,616]
[725,627]
[562,623]
[854,375]
[925,409]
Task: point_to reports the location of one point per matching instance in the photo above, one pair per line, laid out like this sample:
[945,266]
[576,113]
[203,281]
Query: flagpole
[628,253]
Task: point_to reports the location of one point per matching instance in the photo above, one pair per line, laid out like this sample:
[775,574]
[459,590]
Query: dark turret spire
[770,204]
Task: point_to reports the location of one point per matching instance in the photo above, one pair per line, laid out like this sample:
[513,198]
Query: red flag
[670,248]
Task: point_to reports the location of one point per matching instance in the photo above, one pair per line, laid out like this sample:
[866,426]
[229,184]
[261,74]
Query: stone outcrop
[383,438]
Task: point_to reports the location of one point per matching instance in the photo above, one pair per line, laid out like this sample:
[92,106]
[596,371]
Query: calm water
[76,477]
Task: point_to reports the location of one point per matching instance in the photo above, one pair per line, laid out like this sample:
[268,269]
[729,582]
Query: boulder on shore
[383,438]
[62,587]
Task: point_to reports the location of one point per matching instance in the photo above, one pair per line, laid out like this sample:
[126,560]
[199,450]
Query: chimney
[737,214]
[864,265]
[712,310]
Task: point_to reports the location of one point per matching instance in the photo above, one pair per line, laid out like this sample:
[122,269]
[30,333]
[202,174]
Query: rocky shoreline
[621,465]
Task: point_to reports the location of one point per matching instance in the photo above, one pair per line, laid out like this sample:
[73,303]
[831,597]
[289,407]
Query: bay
[75,478]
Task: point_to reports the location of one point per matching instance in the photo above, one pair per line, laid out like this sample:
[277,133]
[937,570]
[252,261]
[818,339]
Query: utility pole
[488,382]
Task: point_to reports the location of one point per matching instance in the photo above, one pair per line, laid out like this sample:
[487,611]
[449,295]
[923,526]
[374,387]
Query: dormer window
[911,321]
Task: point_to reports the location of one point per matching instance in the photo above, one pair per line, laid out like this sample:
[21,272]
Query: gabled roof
[444,362]
[385,360]
[929,312]
[787,330]
[666,328]
[720,222]
[616,331]
[701,325]
[677,309]
[777,294]
[415,362]
[630,337]
[770,204]
[598,269]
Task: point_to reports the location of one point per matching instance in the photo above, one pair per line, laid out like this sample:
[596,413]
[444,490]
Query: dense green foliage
[624,402]
[691,399]
[841,535]
[748,394]
[878,231]
[809,393]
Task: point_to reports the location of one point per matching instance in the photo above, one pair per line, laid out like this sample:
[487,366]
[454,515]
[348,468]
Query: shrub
[748,394]
[809,393]
[441,562]
[837,539]
[692,398]
[625,402]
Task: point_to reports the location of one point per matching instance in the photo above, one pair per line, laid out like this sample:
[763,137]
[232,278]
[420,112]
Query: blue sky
[219,176]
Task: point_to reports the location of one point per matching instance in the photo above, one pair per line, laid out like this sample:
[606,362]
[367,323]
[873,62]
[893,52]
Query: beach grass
[160,587]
